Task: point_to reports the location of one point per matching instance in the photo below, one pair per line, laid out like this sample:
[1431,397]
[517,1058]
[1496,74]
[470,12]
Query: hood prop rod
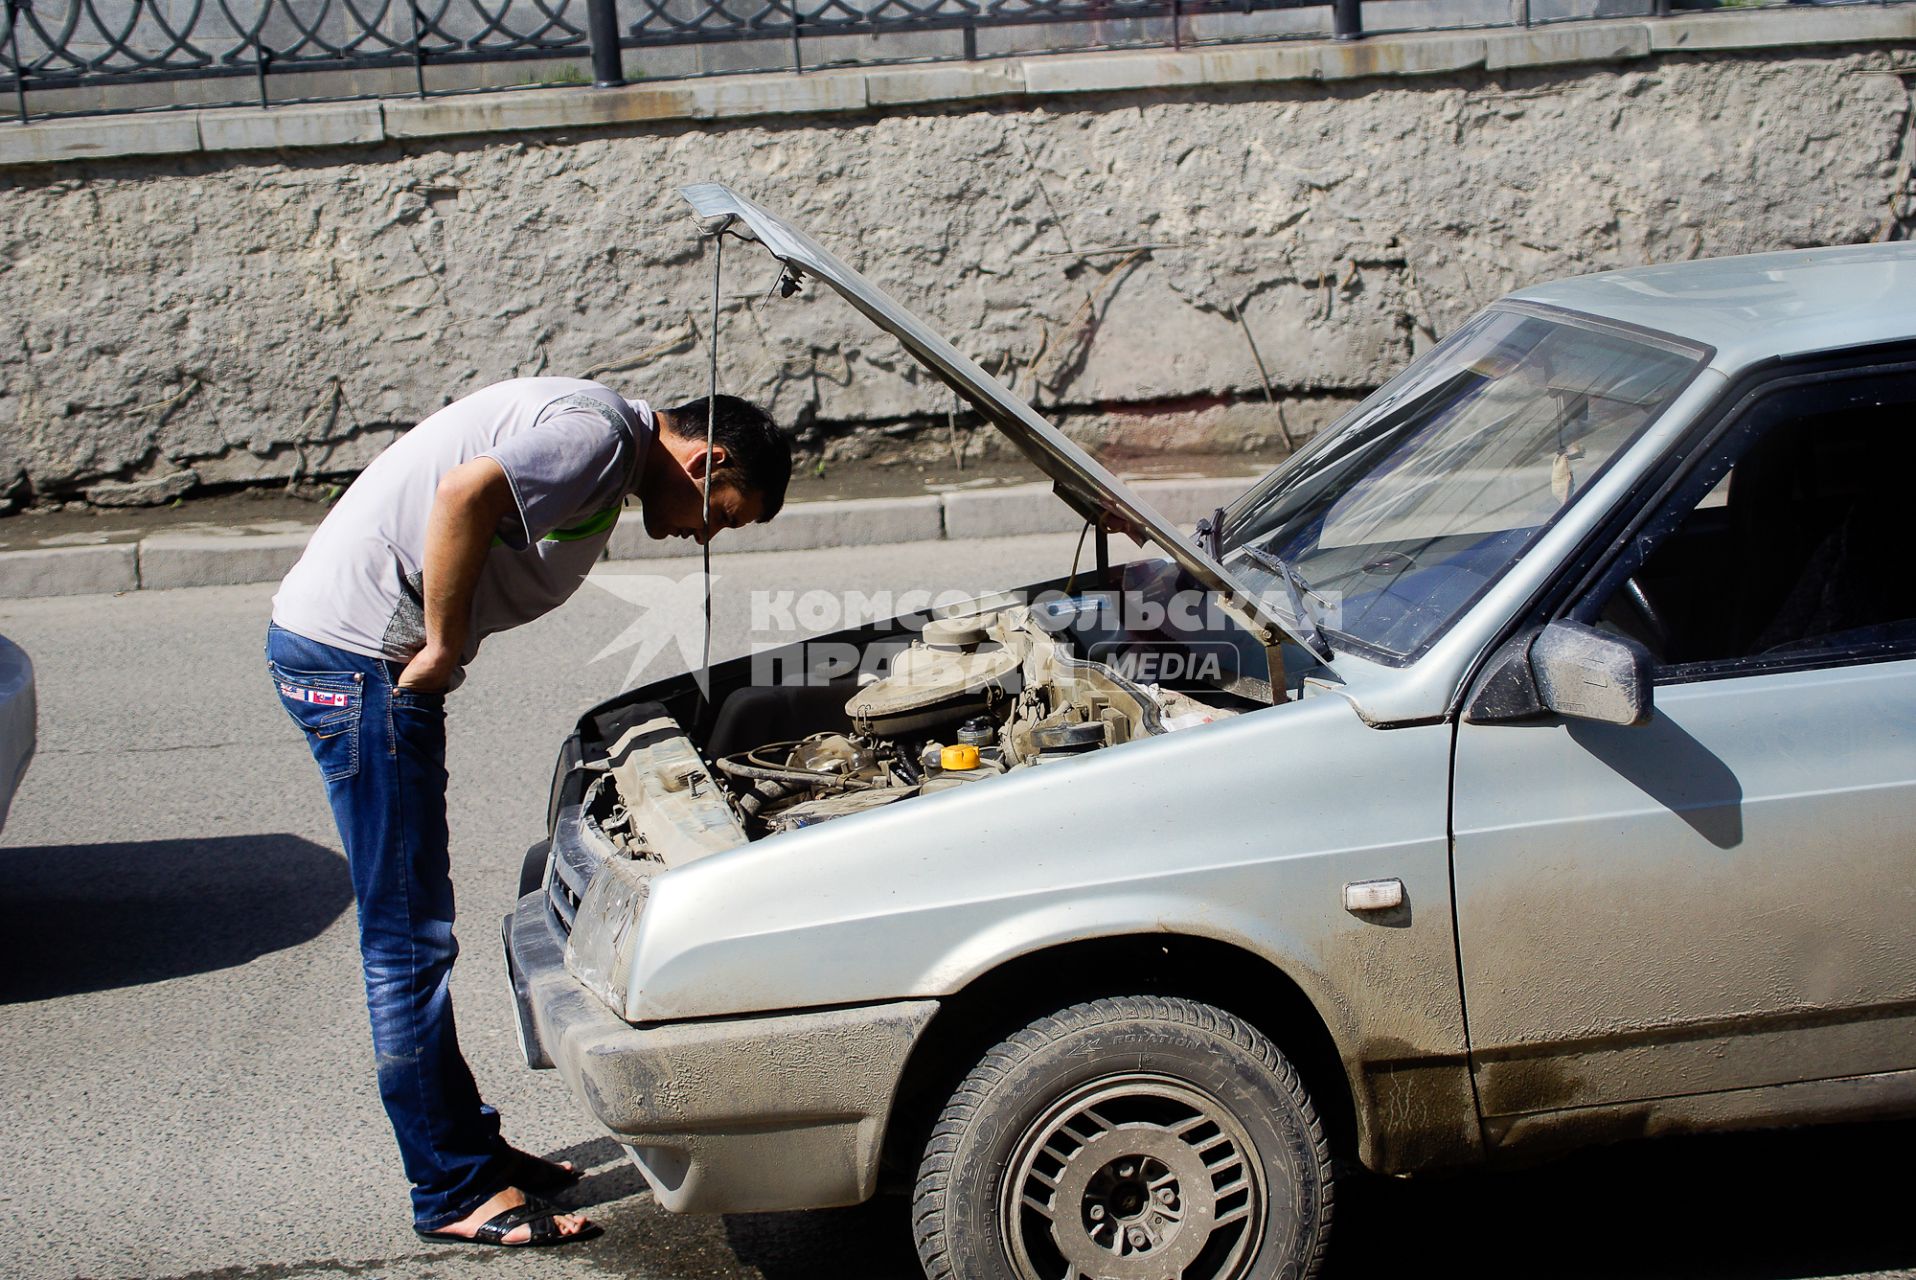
[705,484]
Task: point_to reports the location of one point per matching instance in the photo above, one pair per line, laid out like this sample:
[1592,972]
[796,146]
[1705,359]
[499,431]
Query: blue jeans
[382,752]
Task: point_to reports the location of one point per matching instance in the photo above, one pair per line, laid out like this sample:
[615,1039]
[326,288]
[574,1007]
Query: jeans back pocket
[327,705]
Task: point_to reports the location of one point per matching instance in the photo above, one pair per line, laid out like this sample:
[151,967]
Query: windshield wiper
[1295,587]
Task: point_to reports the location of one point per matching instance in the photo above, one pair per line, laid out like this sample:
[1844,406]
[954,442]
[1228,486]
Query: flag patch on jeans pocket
[318,697]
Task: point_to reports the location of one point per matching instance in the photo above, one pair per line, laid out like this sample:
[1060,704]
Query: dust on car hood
[1078,479]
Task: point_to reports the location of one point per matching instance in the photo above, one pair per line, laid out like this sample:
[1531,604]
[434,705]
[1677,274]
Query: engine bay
[971,698]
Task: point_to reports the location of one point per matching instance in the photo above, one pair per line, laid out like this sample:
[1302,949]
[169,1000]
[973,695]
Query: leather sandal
[536,1217]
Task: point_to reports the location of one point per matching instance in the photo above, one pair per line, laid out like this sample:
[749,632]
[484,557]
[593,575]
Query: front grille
[565,903]
[574,863]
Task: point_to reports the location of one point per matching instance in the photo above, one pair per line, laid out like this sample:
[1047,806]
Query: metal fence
[65,44]
[71,43]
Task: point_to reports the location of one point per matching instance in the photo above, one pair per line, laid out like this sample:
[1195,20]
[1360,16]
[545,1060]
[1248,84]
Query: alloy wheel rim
[1134,1177]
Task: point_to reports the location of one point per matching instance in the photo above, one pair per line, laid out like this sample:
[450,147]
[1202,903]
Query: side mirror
[1588,674]
[1568,669]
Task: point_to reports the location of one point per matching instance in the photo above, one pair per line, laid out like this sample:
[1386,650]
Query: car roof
[1760,305]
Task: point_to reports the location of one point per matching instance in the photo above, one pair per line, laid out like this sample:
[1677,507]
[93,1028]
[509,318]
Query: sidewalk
[263,551]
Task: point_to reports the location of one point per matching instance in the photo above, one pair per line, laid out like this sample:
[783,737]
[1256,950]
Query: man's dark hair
[758,457]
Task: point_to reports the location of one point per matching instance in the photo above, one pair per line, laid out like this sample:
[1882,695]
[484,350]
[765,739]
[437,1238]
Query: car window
[1785,546]
[1406,513]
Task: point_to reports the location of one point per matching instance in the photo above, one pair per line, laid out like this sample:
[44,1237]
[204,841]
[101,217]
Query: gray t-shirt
[572,450]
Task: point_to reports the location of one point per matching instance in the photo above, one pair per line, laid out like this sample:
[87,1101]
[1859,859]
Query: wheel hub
[1134,1178]
[1145,1205]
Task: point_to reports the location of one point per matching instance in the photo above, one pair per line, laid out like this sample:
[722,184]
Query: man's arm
[472,498]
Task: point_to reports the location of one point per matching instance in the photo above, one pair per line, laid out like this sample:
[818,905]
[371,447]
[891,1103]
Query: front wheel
[1134,1138]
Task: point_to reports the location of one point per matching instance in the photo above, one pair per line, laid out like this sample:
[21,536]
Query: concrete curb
[217,559]
[230,557]
[1185,502]
[1008,512]
[69,571]
[801,526]
[239,129]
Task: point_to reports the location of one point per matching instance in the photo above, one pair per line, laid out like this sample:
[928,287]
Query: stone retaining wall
[259,296]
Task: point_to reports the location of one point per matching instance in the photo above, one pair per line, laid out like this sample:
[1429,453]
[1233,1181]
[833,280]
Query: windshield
[1396,520]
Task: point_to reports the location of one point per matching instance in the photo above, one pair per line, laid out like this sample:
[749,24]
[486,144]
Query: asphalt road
[183,1049]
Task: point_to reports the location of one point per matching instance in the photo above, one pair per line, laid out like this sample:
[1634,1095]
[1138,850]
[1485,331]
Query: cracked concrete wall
[260,317]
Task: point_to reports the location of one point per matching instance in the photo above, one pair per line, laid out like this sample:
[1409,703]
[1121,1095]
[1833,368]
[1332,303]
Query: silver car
[1527,762]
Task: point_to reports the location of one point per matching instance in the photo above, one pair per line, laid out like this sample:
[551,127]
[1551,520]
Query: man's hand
[430,670]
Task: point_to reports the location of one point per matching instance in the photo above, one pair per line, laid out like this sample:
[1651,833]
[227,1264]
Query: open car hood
[1079,480]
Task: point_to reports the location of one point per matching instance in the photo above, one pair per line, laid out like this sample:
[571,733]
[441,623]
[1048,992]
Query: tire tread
[935,1170]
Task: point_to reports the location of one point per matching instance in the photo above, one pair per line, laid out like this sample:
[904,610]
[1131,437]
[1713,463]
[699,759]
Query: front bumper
[785,1111]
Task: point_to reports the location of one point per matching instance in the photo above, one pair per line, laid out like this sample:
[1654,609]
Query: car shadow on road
[93,917]
[866,1242]
[871,1241]
[1781,1205]
[609,1176]
[1766,1206]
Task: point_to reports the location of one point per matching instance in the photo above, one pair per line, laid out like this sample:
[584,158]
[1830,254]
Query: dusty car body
[1541,788]
[19,719]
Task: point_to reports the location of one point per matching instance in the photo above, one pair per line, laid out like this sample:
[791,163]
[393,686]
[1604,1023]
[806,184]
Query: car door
[1722,898]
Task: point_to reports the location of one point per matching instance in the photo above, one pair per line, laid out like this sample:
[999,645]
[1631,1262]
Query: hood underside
[1097,495]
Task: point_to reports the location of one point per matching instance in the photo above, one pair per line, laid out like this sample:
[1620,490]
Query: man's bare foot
[569,1224]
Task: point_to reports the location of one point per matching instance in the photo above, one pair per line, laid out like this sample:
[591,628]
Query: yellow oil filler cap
[961,756]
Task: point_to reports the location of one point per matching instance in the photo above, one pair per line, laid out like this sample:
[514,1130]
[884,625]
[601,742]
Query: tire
[1058,1150]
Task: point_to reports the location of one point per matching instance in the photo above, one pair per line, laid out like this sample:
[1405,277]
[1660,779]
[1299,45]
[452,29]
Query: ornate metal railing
[59,44]
[678,21]
[72,42]
[53,44]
